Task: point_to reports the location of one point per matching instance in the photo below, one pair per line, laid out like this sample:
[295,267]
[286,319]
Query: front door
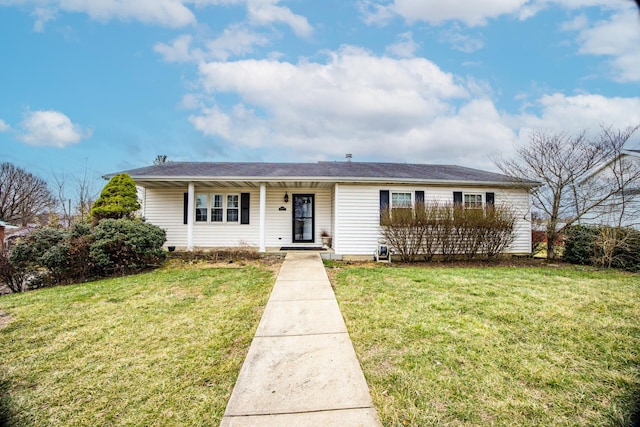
[303,223]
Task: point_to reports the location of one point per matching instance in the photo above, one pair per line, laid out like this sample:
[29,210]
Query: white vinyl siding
[350,213]
[359,214]
[165,208]
[279,227]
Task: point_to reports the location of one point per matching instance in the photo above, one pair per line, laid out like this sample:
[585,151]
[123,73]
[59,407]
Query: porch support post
[263,216]
[190,215]
[336,219]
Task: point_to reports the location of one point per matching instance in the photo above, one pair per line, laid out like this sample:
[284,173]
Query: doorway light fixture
[286,197]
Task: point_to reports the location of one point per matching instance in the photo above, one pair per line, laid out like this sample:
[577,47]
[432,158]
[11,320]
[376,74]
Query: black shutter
[244,208]
[186,208]
[384,202]
[457,197]
[420,197]
[490,199]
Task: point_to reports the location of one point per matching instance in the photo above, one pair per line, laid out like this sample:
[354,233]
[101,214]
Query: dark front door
[303,223]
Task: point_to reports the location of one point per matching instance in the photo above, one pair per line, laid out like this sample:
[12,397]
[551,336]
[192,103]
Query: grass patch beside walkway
[161,348]
[495,346]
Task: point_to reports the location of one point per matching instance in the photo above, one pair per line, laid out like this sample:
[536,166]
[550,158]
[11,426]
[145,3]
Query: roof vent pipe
[349,157]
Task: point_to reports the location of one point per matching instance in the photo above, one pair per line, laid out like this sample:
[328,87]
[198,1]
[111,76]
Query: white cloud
[352,76]
[374,13]
[396,109]
[578,23]
[169,13]
[4,127]
[471,12]
[213,122]
[559,112]
[264,12]
[43,15]
[191,101]
[50,128]
[578,4]
[618,37]
[459,41]
[405,47]
[179,50]
[236,40]
[381,108]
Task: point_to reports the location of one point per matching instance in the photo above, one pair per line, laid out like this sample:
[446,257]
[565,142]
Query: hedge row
[447,230]
[603,246]
[51,256]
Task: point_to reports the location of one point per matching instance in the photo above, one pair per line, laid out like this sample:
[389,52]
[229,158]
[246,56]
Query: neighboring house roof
[596,170]
[321,172]
[7,225]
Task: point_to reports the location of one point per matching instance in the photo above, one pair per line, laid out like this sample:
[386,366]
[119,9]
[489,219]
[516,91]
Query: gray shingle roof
[340,171]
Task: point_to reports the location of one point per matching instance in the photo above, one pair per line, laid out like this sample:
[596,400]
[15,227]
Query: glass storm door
[303,224]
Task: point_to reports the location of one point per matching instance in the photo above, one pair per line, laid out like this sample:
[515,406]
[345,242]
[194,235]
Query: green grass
[495,346]
[161,348]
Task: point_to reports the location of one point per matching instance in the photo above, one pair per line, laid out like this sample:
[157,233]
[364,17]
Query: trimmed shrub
[11,276]
[448,230]
[579,244]
[404,231]
[499,224]
[118,199]
[603,246]
[52,256]
[42,256]
[123,246]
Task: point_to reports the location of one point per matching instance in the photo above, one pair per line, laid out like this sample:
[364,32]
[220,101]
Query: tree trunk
[552,236]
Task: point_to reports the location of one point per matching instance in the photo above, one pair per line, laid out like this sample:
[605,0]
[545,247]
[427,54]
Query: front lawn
[495,346]
[161,348]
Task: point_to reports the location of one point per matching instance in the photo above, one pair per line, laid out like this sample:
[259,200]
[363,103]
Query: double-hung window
[224,208]
[473,201]
[217,207]
[401,200]
[233,205]
[201,207]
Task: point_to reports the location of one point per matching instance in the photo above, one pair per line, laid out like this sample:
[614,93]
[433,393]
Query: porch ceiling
[234,184]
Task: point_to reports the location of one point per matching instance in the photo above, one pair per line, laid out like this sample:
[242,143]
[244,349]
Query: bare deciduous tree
[160,159]
[581,176]
[75,204]
[23,195]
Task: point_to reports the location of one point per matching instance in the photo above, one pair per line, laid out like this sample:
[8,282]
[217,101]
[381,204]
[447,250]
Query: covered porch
[267,216]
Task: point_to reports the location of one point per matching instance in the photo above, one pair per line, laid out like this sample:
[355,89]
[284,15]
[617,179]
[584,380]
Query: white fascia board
[342,180]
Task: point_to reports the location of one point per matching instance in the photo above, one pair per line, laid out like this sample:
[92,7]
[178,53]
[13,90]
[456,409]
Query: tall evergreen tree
[118,199]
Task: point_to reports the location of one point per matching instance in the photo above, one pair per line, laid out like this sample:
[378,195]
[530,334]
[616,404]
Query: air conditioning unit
[383,252]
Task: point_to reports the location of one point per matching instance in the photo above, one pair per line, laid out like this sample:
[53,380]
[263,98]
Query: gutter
[339,180]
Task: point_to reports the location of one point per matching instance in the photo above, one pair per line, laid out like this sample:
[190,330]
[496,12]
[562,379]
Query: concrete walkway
[301,369]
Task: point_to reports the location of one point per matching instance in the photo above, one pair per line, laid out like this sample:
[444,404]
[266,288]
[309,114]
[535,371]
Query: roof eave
[325,179]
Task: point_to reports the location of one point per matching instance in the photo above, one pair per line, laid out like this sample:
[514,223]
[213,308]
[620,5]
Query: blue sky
[106,85]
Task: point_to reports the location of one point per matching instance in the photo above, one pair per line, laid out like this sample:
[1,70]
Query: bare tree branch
[23,196]
[582,176]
